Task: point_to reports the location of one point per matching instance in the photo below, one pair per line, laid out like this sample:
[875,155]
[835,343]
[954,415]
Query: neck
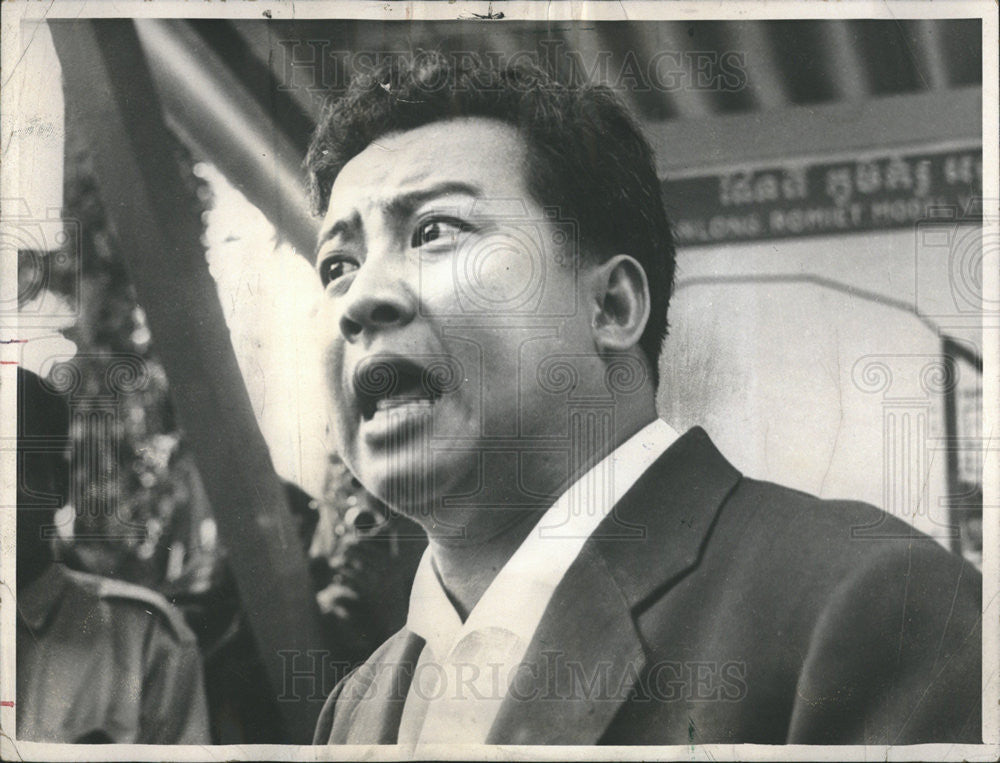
[467,569]
[469,565]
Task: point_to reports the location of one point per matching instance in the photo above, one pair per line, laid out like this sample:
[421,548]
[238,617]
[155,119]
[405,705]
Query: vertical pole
[110,89]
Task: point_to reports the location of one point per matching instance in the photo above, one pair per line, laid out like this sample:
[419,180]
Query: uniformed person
[98,660]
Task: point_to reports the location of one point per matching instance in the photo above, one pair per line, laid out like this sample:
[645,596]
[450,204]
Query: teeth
[394,402]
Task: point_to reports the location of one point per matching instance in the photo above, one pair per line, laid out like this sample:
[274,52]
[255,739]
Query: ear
[621,303]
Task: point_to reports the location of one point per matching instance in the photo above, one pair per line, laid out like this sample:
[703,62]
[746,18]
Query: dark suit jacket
[745,612]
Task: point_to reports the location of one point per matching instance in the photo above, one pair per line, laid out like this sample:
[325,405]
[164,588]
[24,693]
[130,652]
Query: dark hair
[42,430]
[587,157]
[43,420]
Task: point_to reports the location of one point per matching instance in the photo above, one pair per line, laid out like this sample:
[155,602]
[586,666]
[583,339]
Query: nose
[378,299]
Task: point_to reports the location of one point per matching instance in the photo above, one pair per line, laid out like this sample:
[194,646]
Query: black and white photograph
[499,380]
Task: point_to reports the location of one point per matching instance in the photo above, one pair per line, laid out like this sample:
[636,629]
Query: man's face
[448,292]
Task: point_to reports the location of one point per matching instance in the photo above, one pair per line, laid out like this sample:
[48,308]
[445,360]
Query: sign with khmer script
[824,198]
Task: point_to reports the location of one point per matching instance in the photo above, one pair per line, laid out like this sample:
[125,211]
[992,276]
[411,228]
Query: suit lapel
[586,655]
[579,667]
[675,504]
[370,703]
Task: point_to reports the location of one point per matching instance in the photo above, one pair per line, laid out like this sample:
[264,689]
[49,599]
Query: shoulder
[895,639]
[792,549]
[785,516]
[395,652]
[781,503]
[124,600]
[394,660]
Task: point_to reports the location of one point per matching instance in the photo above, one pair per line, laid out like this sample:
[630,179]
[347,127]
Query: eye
[336,267]
[439,230]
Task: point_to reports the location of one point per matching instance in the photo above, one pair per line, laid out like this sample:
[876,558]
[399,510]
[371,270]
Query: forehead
[486,153]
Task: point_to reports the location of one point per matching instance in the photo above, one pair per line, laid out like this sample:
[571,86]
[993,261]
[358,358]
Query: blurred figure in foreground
[98,660]
[362,566]
[363,559]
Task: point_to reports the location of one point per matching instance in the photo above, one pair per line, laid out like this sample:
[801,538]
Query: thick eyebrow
[401,205]
[341,226]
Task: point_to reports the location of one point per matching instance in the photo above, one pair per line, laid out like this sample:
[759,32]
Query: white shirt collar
[520,593]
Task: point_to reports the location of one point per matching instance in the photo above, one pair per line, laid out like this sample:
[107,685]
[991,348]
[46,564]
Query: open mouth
[382,382]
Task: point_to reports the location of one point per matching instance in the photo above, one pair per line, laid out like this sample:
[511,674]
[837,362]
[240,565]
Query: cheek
[499,274]
[325,332]
[330,360]
[324,321]
[332,369]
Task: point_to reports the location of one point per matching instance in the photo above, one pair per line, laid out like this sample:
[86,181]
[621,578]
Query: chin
[415,495]
[407,492]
